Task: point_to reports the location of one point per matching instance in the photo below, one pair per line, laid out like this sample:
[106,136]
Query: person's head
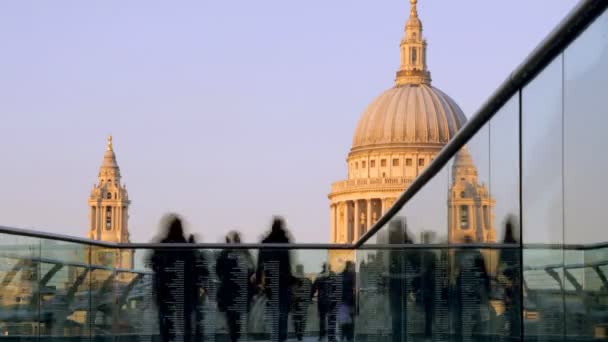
[324,267]
[278,225]
[510,230]
[350,266]
[191,239]
[233,237]
[174,228]
[278,231]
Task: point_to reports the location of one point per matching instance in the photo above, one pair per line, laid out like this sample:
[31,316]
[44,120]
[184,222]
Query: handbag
[257,322]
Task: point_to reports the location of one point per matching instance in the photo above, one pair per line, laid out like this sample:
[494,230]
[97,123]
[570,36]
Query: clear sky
[226,112]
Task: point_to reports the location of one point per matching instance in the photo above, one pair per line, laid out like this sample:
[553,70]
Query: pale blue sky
[226,112]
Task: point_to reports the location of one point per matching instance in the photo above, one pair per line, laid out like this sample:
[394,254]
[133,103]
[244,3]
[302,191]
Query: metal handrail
[569,28]
[291,246]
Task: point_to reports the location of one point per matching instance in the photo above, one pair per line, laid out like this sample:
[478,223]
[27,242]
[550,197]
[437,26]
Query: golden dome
[412,113]
[408,115]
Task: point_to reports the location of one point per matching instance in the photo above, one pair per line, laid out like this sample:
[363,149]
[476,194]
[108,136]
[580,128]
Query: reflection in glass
[470,206]
[585,121]
[19,275]
[504,166]
[542,200]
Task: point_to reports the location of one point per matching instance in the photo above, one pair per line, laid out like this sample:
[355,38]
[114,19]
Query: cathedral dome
[413,113]
[409,114]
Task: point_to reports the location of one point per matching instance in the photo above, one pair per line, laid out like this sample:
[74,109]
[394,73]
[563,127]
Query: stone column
[369,214]
[356,221]
[347,214]
[382,206]
[332,223]
[119,223]
[93,218]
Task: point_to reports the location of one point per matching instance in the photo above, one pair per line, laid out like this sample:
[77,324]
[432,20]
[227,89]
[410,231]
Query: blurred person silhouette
[424,283]
[472,294]
[326,303]
[196,290]
[172,274]
[397,279]
[274,274]
[301,292]
[509,276]
[346,312]
[234,269]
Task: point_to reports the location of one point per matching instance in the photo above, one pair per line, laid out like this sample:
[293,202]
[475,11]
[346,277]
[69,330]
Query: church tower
[470,206]
[109,207]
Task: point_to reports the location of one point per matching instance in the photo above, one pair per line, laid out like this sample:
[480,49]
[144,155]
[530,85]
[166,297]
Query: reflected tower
[470,206]
[399,133]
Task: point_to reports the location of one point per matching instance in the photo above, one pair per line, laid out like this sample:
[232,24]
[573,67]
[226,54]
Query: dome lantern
[413,69]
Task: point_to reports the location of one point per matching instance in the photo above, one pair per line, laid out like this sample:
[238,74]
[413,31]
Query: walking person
[347,305]
[234,268]
[301,293]
[326,304]
[170,267]
[274,272]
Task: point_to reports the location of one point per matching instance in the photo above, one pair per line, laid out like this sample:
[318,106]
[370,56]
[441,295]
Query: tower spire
[413,69]
[110,148]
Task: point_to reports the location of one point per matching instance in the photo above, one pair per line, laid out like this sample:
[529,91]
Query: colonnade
[350,219]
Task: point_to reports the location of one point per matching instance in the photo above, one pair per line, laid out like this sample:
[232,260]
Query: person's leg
[332,323]
[322,322]
[283,321]
[297,325]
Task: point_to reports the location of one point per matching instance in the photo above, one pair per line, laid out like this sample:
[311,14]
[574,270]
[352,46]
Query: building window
[421,162]
[464,217]
[108,218]
[395,162]
[383,162]
[109,195]
[363,164]
[372,163]
[408,162]
[414,55]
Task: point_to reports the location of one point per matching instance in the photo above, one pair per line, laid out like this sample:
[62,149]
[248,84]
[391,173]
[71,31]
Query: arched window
[109,195]
[108,218]
[464,217]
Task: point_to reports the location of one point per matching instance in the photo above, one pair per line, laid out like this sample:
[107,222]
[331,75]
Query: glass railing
[56,290]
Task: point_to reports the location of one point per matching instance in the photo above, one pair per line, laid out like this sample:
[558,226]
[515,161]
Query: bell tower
[109,207]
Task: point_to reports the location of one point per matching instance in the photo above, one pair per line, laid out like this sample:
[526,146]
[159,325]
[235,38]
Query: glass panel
[504,169]
[19,275]
[469,205]
[543,305]
[102,319]
[423,294]
[542,189]
[585,119]
[65,290]
[542,204]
